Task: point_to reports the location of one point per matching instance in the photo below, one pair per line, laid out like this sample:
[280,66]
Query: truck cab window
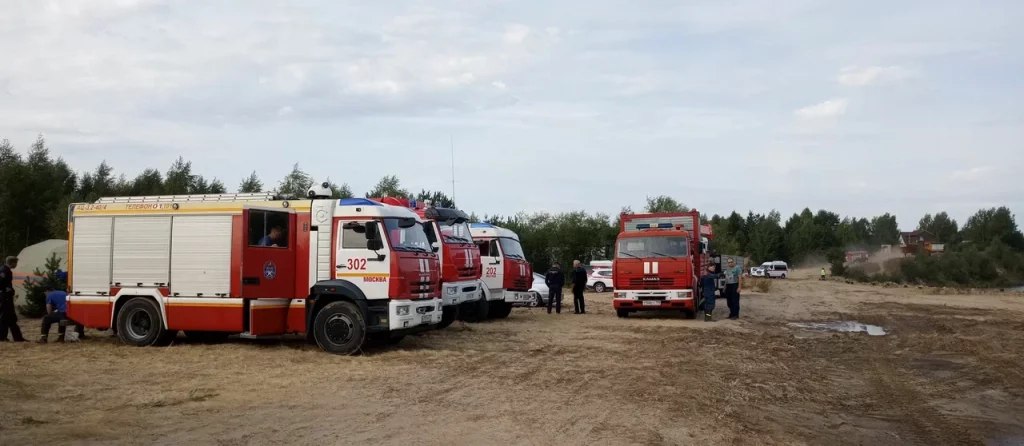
[353,237]
[268,229]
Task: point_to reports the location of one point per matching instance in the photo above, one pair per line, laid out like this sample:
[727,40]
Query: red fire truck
[339,271]
[658,258]
[449,235]
[507,274]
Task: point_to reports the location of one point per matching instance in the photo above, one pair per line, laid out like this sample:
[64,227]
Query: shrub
[35,288]
[760,285]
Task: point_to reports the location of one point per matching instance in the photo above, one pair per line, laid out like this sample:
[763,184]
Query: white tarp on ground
[33,257]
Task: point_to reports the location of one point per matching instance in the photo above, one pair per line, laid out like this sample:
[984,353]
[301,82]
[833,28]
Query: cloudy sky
[859,107]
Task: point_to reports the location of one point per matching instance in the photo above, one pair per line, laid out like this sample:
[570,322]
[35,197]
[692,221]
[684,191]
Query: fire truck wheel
[599,287]
[475,311]
[139,323]
[339,328]
[500,310]
[622,313]
[448,315]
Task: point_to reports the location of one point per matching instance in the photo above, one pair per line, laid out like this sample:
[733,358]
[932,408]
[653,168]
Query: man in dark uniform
[579,283]
[8,314]
[555,280]
[708,286]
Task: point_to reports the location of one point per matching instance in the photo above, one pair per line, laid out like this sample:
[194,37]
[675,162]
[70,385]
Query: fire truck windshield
[512,248]
[639,247]
[455,232]
[411,238]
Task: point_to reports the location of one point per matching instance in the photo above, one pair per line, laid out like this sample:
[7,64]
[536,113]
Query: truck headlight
[402,310]
[682,294]
[451,291]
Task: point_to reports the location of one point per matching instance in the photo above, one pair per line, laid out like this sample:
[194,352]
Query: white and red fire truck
[507,274]
[448,232]
[340,271]
[658,258]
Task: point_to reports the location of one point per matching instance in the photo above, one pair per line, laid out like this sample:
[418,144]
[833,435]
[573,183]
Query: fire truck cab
[657,260]
[340,271]
[507,274]
[449,235]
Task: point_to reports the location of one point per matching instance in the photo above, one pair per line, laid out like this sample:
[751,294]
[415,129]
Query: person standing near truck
[555,280]
[732,274]
[579,283]
[8,315]
[708,285]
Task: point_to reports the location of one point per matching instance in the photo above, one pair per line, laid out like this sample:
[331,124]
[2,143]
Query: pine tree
[252,184]
[35,288]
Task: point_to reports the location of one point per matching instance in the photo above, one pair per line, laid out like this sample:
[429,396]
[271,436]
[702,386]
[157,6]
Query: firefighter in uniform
[8,314]
[579,283]
[555,280]
[708,286]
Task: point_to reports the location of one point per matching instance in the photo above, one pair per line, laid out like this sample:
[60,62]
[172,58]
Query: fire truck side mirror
[373,239]
[435,246]
[374,244]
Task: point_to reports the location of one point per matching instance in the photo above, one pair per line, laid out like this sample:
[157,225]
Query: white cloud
[972,174]
[285,111]
[865,76]
[516,33]
[829,109]
[499,85]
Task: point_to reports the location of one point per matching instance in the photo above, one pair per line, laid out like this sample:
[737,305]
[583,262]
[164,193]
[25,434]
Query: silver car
[540,290]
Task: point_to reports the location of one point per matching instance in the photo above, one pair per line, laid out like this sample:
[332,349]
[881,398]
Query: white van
[775,270]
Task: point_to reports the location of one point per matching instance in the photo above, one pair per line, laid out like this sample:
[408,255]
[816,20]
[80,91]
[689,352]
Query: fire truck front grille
[520,284]
[652,283]
[423,287]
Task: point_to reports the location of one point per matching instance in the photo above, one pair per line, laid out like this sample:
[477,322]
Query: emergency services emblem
[269,270]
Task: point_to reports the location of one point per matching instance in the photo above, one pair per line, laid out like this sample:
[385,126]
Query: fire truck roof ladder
[259,196]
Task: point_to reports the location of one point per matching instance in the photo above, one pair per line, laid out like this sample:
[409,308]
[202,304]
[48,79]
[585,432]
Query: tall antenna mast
[452,141]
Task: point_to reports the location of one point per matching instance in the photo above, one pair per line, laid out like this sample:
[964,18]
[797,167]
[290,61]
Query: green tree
[992,224]
[296,184]
[35,288]
[440,199]
[884,230]
[251,184]
[664,203]
[389,186]
[342,191]
[149,182]
[766,237]
[180,180]
[943,228]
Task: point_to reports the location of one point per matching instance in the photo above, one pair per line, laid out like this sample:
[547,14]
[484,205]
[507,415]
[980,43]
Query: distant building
[912,243]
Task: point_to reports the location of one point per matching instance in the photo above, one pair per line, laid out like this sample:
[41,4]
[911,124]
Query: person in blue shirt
[272,239]
[57,312]
[708,285]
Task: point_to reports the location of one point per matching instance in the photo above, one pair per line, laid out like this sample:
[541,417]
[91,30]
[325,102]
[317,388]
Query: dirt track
[949,372]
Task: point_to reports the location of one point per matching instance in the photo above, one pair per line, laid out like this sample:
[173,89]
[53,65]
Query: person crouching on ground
[555,280]
[708,285]
[57,312]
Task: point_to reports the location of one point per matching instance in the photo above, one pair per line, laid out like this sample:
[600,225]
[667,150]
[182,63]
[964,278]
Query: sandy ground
[949,372]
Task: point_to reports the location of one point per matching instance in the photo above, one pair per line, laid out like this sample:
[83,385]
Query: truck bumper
[641,300]
[519,298]
[407,314]
[456,293]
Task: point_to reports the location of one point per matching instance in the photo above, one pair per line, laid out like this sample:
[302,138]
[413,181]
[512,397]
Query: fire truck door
[494,270]
[362,257]
[268,257]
